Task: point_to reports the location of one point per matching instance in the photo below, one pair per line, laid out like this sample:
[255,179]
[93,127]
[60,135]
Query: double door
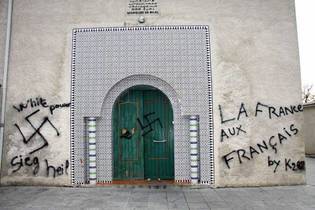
[143,136]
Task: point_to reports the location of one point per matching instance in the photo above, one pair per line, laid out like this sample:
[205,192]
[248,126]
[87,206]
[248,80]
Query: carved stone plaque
[142,7]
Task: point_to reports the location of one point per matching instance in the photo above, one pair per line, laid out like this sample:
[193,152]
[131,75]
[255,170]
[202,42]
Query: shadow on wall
[308,128]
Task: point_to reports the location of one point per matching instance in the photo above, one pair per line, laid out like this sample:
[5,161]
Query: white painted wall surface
[254,59]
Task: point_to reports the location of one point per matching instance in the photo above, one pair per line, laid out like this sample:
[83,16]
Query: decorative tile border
[210,97]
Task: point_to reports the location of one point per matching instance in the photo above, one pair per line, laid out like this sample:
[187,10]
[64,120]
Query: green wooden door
[158,143]
[128,142]
[143,136]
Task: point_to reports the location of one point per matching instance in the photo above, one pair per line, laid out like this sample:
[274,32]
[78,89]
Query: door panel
[128,143]
[158,144]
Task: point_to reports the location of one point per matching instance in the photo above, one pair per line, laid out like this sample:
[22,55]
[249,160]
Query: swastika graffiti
[37,131]
[148,124]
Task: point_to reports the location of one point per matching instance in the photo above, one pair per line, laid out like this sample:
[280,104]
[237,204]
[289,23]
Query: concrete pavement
[171,197]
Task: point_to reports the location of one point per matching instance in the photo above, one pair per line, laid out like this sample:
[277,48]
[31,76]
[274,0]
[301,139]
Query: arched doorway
[143,135]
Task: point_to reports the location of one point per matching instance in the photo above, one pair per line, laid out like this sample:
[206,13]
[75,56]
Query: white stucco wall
[254,59]
[308,128]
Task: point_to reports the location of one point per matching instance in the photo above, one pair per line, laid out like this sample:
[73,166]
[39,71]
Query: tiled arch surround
[107,61]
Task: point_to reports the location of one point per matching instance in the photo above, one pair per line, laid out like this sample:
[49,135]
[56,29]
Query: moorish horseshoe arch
[104,127]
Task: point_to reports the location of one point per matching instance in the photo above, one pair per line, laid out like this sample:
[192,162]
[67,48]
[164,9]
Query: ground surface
[284,198]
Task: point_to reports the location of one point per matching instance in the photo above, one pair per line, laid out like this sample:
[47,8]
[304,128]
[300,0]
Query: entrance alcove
[105,153]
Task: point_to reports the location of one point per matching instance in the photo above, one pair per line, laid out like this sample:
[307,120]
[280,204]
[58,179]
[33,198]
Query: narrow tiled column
[92,149]
[194,148]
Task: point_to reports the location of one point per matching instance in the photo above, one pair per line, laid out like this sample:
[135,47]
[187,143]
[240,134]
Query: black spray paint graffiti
[289,165]
[32,102]
[57,171]
[39,102]
[18,162]
[37,131]
[252,151]
[234,131]
[270,111]
[294,166]
[242,111]
[149,122]
[272,143]
[57,106]
[274,163]
[277,112]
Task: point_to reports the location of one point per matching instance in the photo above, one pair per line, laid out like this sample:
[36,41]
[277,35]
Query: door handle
[157,141]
